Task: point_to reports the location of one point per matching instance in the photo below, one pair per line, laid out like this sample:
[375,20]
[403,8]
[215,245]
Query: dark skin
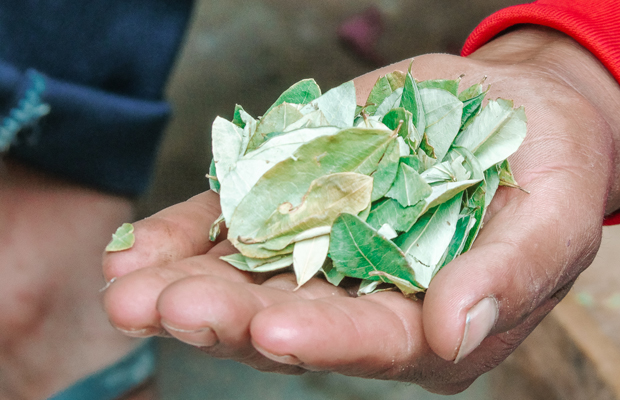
[530,251]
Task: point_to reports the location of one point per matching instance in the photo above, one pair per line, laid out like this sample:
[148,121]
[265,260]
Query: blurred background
[248,53]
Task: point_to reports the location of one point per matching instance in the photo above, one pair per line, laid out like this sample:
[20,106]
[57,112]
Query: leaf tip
[122,239]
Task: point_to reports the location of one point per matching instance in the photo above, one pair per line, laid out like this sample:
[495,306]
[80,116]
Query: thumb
[526,255]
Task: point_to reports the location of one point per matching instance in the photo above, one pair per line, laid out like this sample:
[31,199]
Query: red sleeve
[595,24]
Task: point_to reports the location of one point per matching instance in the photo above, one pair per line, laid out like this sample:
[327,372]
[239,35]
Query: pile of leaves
[389,192]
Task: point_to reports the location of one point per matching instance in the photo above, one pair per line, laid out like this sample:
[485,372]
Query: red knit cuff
[613,219]
[595,24]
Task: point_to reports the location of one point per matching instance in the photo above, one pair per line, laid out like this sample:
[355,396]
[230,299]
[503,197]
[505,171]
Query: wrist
[559,57]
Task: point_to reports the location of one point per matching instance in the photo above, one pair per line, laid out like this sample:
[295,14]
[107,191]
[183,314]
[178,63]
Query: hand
[477,309]
[54,331]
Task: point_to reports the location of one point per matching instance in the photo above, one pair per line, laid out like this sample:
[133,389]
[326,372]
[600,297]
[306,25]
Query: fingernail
[107,285]
[480,320]
[140,333]
[284,359]
[202,337]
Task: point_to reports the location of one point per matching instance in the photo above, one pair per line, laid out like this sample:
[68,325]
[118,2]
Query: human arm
[68,173]
[527,256]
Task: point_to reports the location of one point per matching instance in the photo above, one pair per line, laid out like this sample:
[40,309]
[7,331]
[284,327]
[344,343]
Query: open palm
[531,249]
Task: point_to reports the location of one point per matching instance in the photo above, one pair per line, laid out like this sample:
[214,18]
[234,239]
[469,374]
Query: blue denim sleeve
[81,86]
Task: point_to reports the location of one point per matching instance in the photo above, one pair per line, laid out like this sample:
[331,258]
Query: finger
[363,336]
[377,336]
[131,300]
[215,313]
[172,234]
[532,246]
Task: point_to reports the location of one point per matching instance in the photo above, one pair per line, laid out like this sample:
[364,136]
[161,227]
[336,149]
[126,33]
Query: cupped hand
[477,309]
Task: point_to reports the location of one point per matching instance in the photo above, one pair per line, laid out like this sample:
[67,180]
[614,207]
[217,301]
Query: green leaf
[277,210]
[238,184]
[447,171]
[368,287]
[491,178]
[477,204]
[214,232]
[414,138]
[237,260]
[396,79]
[214,183]
[390,102]
[363,215]
[358,112]
[401,119]
[387,232]
[425,244]
[426,147]
[413,161]
[303,92]
[384,87]
[448,85]
[386,171]
[472,91]
[412,102]
[327,197]
[443,113]
[308,257]
[313,232]
[269,264]
[248,130]
[425,161]
[495,134]
[457,244]
[409,187]
[397,117]
[389,211]
[371,123]
[282,147]
[471,107]
[470,163]
[227,140]
[380,91]
[331,274]
[237,120]
[274,122]
[403,147]
[314,119]
[243,263]
[409,289]
[506,178]
[354,150]
[122,239]
[443,192]
[338,105]
[290,196]
[460,173]
[248,170]
[357,250]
